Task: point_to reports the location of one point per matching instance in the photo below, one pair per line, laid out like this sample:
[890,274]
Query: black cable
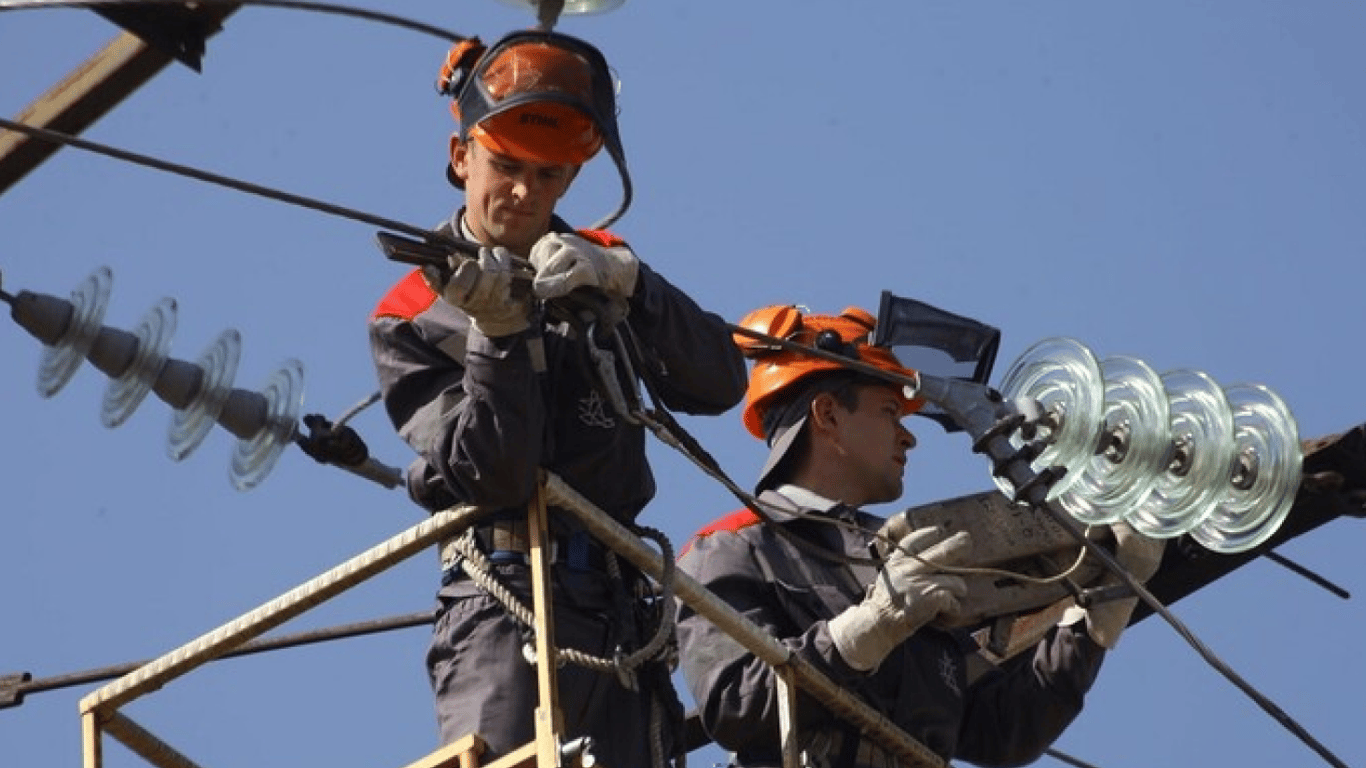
[1063,757]
[6,5]
[213,178]
[1300,570]
[1262,701]
[378,17]
[667,428]
[148,161]
[14,687]
[1266,704]
[1035,497]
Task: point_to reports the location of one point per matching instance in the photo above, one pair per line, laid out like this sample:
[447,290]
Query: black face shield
[936,343]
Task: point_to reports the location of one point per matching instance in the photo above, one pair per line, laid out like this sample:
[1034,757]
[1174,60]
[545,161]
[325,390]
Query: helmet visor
[541,97]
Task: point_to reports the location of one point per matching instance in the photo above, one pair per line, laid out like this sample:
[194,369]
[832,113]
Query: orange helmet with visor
[537,96]
[777,369]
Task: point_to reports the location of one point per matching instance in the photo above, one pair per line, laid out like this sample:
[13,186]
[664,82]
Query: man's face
[508,201]
[874,443]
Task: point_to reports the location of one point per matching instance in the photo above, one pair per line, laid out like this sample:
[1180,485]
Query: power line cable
[298,200]
[15,686]
[379,17]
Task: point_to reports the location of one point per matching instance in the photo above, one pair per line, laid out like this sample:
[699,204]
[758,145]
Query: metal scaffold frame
[101,711]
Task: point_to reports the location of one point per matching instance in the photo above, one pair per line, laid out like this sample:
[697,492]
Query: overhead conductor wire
[349,213]
[1268,706]
[378,17]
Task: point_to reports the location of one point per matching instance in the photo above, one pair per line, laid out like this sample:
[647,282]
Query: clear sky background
[1183,182]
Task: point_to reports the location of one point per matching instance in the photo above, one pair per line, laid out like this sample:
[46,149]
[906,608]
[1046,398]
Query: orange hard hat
[777,370]
[541,132]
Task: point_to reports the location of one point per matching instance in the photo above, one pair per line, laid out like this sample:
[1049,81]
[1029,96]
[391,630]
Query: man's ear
[459,152]
[823,411]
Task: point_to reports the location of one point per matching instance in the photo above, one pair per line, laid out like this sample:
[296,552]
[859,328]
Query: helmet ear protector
[536,95]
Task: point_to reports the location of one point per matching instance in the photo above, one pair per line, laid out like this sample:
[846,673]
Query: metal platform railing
[101,711]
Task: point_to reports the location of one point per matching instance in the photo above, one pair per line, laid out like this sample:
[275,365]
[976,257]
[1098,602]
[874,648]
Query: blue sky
[1177,181]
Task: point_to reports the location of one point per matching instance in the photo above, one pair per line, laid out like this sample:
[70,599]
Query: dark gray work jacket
[989,715]
[482,421]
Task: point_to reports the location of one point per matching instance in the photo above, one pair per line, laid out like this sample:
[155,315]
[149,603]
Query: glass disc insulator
[127,392]
[1265,476]
[1063,376]
[1201,456]
[255,457]
[1132,448]
[88,302]
[572,7]
[219,366]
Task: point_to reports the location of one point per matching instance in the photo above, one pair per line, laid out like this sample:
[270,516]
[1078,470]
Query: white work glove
[907,594]
[483,289]
[1140,556]
[564,262]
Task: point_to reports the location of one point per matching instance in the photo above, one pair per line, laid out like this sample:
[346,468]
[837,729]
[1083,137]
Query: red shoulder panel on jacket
[409,298]
[601,237]
[732,523]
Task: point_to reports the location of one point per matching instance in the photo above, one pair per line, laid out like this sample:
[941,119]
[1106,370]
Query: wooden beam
[86,94]
[464,752]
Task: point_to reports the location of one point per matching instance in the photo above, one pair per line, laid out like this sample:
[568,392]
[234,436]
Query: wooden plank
[786,683]
[521,757]
[92,745]
[144,743]
[464,752]
[549,723]
[85,95]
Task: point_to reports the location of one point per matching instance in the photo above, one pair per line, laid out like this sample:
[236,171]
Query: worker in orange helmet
[882,628]
[490,387]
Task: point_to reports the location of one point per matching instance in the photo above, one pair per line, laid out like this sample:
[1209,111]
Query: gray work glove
[564,262]
[907,594]
[1140,556]
[483,289]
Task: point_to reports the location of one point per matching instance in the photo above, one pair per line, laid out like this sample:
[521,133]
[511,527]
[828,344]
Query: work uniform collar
[456,223]
[803,499]
[462,227]
[788,503]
